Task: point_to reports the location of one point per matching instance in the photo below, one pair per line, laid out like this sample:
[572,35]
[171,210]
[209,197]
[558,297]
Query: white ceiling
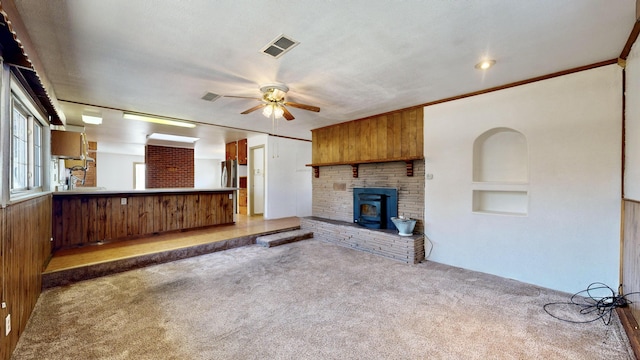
[355,59]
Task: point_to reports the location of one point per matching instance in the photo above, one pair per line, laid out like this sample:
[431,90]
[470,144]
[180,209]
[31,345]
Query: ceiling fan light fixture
[268,110]
[273,109]
[278,111]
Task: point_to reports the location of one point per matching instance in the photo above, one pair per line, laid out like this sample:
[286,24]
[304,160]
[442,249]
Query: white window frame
[19,99]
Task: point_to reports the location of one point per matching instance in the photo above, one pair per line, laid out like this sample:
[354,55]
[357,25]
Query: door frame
[251,179]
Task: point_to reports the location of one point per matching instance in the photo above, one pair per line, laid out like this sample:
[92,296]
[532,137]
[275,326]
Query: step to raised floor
[284,237]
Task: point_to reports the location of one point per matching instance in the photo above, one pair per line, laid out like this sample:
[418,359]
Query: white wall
[632,126]
[207,173]
[571,233]
[287,179]
[115,171]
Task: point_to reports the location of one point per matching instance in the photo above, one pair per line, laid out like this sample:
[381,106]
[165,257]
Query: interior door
[257,181]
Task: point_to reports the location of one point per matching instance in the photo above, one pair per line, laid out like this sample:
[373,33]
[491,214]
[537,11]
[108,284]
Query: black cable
[600,306]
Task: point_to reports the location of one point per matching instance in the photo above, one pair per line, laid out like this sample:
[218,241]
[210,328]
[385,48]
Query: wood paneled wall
[393,136]
[25,234]
[631,253]
[90,218]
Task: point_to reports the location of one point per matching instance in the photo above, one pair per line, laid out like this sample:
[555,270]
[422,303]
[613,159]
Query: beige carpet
[308,300]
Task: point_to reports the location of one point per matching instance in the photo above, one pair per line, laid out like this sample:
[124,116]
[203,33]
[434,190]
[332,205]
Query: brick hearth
[387,243]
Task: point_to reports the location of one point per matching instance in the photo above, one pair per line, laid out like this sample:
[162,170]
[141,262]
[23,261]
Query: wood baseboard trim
[630,326]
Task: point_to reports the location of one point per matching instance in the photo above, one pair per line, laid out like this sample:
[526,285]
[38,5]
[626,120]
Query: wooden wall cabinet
[66,144]
[242,152]
[231,151]
[242,196]
[242,201]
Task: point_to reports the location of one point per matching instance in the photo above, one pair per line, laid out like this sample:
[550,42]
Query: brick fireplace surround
[332,208]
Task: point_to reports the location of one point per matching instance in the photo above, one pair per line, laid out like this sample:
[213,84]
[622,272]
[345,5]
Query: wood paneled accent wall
[91,218]
[394,136]
[169,167]
[25,234]
[631,252]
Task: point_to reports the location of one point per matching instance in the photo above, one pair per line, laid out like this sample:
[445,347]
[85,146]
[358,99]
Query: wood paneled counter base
[83,218]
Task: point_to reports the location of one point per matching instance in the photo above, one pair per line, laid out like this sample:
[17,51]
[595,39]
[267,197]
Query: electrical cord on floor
[600,307]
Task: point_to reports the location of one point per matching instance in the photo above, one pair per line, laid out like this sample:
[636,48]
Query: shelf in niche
[501,186]
[501,202]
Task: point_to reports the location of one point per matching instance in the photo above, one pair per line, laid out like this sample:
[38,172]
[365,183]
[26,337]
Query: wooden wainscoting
[631,252]
[630,270]
[26,248]
[82,219]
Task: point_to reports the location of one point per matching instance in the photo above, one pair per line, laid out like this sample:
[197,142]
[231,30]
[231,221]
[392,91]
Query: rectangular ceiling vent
[279,46]
[209,96]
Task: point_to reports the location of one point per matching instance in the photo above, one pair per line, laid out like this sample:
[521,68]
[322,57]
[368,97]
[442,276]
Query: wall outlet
[230,196]
[7,325]
[123,201]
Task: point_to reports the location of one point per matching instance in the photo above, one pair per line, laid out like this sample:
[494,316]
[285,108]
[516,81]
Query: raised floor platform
[69,266]
[387,243]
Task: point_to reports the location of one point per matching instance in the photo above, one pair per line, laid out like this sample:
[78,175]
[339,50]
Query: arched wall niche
[501,155]
[501,172]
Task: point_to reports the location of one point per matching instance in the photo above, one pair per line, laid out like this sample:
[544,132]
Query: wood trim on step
[630,326]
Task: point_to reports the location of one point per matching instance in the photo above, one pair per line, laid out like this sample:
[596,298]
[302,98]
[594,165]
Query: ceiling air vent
[209,96]
[279,46]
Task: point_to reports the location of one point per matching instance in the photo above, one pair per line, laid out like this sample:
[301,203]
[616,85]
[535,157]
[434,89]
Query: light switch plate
[123,201]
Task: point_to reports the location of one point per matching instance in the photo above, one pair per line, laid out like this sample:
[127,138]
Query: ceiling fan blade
[243,97]
[286,114]
[303,106]
[257,107]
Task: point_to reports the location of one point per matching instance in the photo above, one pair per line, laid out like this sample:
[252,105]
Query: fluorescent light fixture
[156,120]
[174,138]
[91,119]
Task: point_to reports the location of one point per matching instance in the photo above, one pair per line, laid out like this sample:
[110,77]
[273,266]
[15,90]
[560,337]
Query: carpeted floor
[308,300]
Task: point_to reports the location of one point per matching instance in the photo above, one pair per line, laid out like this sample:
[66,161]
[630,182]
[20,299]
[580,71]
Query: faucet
[72,181]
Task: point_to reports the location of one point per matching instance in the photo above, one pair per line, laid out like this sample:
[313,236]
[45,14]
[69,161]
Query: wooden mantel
[355,165]
[396,136]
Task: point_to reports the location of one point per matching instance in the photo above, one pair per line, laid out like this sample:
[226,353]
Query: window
[19,149]
[27,155]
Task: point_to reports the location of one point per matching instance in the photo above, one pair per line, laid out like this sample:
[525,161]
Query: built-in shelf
[500,173]
[354,164]
[500,202]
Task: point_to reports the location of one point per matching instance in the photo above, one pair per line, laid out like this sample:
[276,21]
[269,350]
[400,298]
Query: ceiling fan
[274,103]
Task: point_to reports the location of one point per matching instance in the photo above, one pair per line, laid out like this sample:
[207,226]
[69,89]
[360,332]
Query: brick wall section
[169,167]
[387,243]
[333,190]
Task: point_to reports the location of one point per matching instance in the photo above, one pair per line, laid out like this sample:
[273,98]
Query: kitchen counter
[94,216]
[100,191]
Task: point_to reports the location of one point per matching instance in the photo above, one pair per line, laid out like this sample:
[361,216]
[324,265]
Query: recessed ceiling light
[92,119]
[485,64]
[174,138]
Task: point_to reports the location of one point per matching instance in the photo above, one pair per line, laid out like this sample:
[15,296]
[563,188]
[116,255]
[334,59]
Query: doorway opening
[139,175]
